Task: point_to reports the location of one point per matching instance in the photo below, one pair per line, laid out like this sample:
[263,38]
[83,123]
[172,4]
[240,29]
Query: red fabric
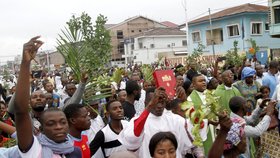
[140,122]
[83,145]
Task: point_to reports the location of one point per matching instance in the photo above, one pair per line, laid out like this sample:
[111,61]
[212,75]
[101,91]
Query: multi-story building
[153,44]
[240,23]
[274,7]
[121,34]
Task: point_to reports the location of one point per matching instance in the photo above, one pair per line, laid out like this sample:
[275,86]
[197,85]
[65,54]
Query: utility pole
[184,3]
[211,29]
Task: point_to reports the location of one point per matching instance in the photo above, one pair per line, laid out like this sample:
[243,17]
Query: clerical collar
[228,88]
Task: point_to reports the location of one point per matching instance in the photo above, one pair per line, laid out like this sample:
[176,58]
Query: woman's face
[3,110]
[165,149]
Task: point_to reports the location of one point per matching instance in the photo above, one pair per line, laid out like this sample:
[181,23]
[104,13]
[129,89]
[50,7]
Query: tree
[232,56]
[196,54]
[84,47]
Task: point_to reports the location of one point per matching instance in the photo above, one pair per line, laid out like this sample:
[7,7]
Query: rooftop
[245,8]
[162,31]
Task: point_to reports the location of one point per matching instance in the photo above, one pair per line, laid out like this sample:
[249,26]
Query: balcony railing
[275,29]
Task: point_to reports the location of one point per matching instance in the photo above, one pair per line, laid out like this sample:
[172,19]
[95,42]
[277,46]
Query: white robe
[153,125]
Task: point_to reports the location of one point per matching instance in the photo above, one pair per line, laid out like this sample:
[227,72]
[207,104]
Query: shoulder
[34,152]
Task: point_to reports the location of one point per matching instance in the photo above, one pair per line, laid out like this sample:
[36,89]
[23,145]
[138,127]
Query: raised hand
[159,96]
[30,49]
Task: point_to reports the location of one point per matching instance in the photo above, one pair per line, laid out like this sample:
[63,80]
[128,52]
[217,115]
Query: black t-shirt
[129,110]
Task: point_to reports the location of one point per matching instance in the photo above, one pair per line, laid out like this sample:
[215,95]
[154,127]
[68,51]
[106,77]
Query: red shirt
[83,145]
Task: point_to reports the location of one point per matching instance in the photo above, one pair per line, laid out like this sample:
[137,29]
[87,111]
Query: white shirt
[139,105]
[153,125]
[35,151]
[96,125]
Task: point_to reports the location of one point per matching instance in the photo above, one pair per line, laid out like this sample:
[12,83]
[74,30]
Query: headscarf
[247,72]
[235,134]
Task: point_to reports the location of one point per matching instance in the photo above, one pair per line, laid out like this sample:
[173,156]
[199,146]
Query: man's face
[116,111]
[38,101]
[49,87]
[82,120]
[122,96]
[273,70]
[92,110]
[147,85]
[179,80]
[228,78]
[49,99]
[159,108]
[199,83]
[136,78]
[137,94]
[70,89]
[259,71]
[55,126]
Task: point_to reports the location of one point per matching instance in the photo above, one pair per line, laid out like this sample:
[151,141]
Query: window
[121,48]
[276,10]
[140,30]
[168,45]
[140,45]
[119,34]
[256,28]
[184,43]
[233,30]
[217,36]
[172,44]
[196,36]
[266,26]
[152,45]
[132,46]
[132,31]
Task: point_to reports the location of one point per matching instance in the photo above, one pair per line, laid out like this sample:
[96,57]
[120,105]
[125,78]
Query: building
[156,43]
[121,34]
[49,59]
[274,7]
[240,23]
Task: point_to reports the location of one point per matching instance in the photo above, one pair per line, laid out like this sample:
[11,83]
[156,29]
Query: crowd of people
[48,118]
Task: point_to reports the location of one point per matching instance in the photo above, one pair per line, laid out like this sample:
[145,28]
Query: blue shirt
[270,81]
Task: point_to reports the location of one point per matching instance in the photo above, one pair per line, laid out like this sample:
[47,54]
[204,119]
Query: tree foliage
[232,56]
[85,47]
[196,54]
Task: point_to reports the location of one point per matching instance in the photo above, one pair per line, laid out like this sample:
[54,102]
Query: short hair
[273,64]
[187,85]
[108,104]
[235,103]
[51,109]
[173,104]
[131,86]
[263,88]
[72,110]
[160,137]
[196,76]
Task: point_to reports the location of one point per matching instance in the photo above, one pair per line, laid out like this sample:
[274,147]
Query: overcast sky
[23,19]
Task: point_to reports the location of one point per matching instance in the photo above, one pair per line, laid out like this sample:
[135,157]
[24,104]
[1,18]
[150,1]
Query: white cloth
[35,151]
[96,125]
[153,125]
[139,105]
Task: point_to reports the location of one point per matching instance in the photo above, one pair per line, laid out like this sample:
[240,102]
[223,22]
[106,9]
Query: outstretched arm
[22,118]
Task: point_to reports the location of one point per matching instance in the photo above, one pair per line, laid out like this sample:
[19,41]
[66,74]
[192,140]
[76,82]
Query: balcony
[275,30]
[275,3]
